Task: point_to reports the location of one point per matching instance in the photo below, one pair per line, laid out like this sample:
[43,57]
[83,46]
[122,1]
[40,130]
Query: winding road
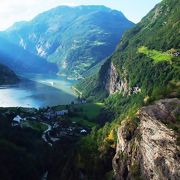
[46,133]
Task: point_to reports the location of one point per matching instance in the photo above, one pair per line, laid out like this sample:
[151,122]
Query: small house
[50,114]
[62,113]
[83,101]
[83,131]
[17,121]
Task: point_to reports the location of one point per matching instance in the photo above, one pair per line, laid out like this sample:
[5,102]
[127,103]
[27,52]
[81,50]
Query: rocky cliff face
[148,146]
[114,82]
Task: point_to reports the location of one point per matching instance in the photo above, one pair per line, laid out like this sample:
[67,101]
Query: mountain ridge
[140,85]
[74,38]
[21,61]
[146,34]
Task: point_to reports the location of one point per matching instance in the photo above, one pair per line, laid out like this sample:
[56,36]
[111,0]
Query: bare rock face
[127,154]
[147,147]
[114,83]
[118,82]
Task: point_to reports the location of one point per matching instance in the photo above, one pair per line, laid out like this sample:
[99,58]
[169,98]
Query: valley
[46,129]
[74,39]
[86,94]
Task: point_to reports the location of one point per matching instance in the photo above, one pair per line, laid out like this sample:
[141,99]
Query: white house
[50,114]
[83,131]
[17,120]
[83,101]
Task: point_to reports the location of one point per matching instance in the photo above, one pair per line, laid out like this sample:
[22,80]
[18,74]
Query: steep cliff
[147,57]
[148,146]
[113,82]
[143,69]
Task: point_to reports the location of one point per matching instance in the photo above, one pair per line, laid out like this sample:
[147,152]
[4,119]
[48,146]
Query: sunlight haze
[12,11]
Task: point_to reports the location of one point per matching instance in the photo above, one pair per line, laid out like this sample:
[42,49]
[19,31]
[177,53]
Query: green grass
[59,107]
[83,122]
[38,126]
[155,55]
[87,113]
[91,110]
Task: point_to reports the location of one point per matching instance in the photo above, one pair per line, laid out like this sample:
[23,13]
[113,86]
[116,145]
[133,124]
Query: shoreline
[30,92]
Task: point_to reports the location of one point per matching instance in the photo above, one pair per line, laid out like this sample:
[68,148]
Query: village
[53,122]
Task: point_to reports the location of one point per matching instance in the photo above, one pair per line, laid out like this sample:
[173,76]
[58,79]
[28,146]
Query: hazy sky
[16,10]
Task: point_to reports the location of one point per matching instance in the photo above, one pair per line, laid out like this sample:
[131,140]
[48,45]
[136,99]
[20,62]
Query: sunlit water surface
[37,91]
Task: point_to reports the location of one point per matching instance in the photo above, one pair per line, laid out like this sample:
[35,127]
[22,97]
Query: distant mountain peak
[147,57]
[77,37]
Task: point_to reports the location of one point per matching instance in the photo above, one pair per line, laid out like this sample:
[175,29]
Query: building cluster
[57,127]
[59,130]
[51,114]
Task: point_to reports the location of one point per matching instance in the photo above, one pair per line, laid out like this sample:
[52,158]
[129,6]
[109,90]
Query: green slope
[75,38]
[7,76]
[148,52]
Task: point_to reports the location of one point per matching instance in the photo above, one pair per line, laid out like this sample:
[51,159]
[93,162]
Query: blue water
[37,91]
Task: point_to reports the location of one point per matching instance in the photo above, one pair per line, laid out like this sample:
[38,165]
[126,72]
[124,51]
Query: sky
[12,11]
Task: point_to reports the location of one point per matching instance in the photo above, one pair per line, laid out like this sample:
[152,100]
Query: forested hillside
[147,56]
[125,124]
[74,38]
[144,68]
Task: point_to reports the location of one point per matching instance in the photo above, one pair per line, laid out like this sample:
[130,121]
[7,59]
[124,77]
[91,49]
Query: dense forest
[126,122]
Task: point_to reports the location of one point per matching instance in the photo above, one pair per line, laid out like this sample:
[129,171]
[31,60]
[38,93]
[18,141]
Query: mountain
[146,59]
[20,60]
[7,76]
[140,85]
[132,123]
[74,38]
[149,145]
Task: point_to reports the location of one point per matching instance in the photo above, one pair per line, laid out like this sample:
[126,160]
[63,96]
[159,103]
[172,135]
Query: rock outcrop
[148,146]
[114,82]
[118,82]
